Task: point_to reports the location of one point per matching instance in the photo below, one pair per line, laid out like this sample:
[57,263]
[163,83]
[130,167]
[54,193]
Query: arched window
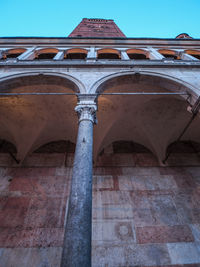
[194,53]
[13,53]
[46,53]
[108,53]
[169,54]
[76,53]
[137,54]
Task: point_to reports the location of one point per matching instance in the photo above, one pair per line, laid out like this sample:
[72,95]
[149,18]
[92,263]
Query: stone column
[28,55]
[59,56]
[124,55]
[154,54]
[186,56]
[91,55]
[77,240]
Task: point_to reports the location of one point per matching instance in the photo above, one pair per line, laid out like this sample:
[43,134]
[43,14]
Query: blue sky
[136,18]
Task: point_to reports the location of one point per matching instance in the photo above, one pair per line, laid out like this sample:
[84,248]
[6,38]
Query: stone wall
[144,214]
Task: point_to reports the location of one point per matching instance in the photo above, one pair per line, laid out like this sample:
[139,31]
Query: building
[145,158]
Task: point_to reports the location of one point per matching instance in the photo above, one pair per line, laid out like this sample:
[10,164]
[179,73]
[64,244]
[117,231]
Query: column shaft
[77,240]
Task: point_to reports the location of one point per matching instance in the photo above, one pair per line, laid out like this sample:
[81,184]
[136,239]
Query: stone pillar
[154,54]
[28,55]
[77,240]
[1,54]
[91,55]
[124,55]
[185,56]
[59,56]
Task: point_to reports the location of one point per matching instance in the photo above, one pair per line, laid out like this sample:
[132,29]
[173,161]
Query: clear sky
[136,18]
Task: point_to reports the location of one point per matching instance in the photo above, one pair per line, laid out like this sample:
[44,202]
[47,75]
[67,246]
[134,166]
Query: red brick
[164,234]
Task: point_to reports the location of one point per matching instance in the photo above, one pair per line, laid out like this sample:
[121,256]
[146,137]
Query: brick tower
[97,28]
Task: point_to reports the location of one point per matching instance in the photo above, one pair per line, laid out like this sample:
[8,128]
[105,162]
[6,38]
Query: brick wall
[143,214]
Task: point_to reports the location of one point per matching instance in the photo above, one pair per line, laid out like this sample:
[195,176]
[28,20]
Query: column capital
[86,111]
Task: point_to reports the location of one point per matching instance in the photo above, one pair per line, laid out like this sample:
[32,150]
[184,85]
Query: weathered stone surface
[184,253]
[13,213]
[46,212]
[164,210]
[113,232]
[164,234]
[37,237]
[130,255]
[23,257]
[196,231]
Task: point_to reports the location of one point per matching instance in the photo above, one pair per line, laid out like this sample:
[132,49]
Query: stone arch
[136,154]
[56,146]
[76,53]
[178,84]
[194,53]
[108,53]
[46,53]
[144,113]
[7,147]
[77,86]
[168,53]
[137,54]
[30,120]
[13,52]
[183,151]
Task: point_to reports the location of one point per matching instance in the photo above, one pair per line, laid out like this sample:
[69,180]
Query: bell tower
[97,28]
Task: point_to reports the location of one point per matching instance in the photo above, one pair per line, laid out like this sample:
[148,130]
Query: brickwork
[97,28]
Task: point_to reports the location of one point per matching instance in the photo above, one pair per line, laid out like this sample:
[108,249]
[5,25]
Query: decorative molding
[86,112]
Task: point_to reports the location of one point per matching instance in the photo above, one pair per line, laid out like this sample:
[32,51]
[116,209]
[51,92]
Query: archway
[149,119]
[108,53]
[32,120]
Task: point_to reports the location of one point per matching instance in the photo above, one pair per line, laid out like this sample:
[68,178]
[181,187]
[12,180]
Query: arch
[194,53]
[184,146]
[46,53]
[108,53]
[76,53]
[13,53]
[137,54]
[100,85]
[183,36]
[183,151]
[36,119]
[126,153]
[167,53]
[77,85]
[7,147]
[61,146]
[127,146]
[150,112]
